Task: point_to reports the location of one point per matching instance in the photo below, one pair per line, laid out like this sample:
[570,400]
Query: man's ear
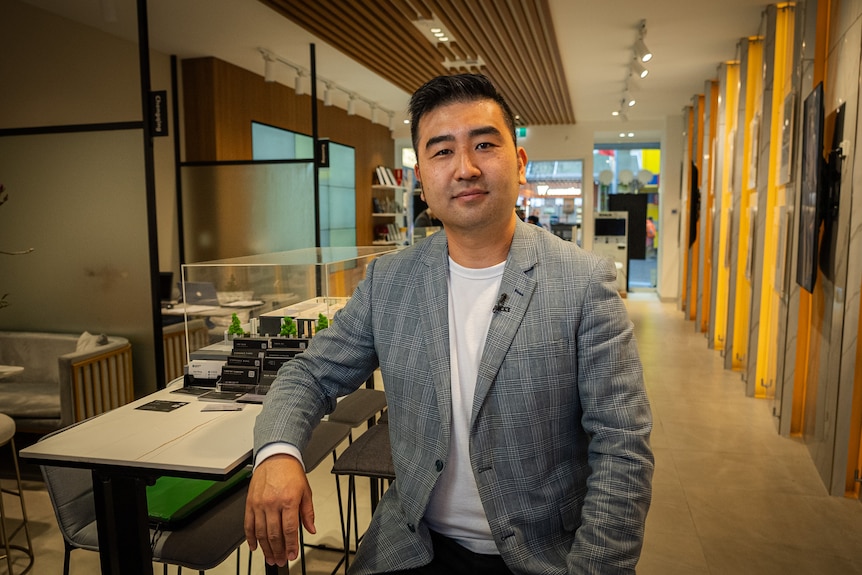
[522,165]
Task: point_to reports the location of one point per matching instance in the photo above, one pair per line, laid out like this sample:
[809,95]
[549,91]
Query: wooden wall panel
[221,100]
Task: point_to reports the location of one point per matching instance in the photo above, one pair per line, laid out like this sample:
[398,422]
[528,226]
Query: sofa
[66,377]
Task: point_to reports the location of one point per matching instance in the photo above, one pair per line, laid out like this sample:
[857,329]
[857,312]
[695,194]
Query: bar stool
[359,407]
[370,455]
[7,437]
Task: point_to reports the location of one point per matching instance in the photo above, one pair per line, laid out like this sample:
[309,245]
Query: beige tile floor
[731,497]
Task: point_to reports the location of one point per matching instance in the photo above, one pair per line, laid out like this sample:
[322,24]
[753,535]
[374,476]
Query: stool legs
[6,536]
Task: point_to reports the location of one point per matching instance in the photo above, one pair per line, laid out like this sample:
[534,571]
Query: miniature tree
[288,327]
[235,327]
[322,322]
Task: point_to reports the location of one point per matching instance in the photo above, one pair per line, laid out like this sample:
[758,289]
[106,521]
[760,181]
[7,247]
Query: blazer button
[439,465]
[411,527]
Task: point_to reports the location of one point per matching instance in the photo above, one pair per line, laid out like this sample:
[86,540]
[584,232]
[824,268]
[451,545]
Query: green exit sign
[522,131]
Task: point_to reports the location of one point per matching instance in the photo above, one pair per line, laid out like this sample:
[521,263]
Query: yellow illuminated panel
[768,340]
[729,96]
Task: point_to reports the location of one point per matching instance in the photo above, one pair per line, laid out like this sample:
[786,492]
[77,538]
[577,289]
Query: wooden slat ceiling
[511,41]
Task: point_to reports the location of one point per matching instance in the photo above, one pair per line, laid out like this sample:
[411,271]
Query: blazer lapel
[518,284]
[432,298]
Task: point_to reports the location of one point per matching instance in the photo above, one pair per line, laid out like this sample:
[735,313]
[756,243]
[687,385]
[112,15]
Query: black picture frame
[810,190]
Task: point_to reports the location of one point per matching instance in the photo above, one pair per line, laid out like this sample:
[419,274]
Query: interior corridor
[731,497]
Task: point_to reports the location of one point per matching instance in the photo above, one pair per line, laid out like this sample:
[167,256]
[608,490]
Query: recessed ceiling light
[435,30]
[439,34]
[631,134]
[444,39]
[622,134]
[406,121]
[615,113]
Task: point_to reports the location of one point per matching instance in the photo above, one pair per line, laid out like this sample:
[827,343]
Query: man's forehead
[449,119]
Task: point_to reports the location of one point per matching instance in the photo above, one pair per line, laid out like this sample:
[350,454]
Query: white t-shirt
[455,509]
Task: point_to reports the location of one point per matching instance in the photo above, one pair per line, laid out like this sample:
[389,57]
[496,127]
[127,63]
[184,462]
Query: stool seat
[368,456]
[7,437]
[359,406]
[7,428]
[325,438]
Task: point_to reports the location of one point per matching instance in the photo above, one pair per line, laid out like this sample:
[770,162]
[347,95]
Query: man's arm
[617,417]
[278,496]
[338,360]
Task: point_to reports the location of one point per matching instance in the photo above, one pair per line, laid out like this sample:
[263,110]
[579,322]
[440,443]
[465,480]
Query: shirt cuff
[278,448]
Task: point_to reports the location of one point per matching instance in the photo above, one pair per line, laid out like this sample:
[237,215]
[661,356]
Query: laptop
[200,293]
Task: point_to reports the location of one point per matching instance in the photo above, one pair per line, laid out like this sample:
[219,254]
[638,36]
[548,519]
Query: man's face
[469,166]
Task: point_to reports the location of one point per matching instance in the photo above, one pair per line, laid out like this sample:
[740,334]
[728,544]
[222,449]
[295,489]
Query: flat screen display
[610,226]
[810,189]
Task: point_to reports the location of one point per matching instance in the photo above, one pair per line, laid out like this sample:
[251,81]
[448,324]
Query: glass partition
[232,210]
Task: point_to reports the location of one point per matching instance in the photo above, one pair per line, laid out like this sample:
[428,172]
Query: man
[517,412]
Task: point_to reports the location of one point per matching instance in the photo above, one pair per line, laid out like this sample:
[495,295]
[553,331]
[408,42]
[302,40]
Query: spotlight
[642,51]
[638,69]
[327,94]
[351,105]
[268,69]
[297,83]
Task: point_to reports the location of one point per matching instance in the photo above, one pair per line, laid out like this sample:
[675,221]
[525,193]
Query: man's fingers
[290,522]
[306,513]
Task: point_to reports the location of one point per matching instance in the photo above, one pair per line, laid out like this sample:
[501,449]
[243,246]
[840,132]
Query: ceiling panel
[512,42]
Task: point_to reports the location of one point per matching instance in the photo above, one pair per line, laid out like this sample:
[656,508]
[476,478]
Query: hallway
[730,497]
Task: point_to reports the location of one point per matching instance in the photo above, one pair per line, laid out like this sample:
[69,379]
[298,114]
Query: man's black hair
[444,90]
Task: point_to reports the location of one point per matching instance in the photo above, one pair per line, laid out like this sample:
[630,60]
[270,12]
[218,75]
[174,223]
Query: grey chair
[203,543]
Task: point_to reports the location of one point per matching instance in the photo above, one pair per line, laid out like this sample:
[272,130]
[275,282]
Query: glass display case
[261,290]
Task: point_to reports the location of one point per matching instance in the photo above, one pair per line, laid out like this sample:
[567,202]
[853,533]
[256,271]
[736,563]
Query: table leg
[122,522]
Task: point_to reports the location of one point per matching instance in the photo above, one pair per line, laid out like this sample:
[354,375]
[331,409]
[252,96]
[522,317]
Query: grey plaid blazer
[560,425]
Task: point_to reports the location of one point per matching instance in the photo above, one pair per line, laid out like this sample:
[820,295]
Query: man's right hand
[278,496]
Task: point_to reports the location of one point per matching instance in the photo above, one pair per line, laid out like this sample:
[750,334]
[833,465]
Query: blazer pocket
[570,512]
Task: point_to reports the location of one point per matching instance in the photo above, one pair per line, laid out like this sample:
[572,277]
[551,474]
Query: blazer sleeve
[617,418]
[338,360]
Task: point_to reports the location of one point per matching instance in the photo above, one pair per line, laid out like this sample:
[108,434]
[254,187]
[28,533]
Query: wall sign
[159,113]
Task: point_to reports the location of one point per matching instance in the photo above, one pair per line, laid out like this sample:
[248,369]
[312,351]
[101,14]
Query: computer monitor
[166,286]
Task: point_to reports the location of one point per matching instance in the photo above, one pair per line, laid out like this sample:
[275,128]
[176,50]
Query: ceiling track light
[327,94]
[644,54]
[268,71]
[269,61]
[638,69]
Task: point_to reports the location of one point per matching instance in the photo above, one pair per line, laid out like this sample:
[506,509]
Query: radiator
[102,383]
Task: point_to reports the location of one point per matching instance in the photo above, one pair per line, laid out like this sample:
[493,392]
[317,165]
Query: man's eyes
[479,146]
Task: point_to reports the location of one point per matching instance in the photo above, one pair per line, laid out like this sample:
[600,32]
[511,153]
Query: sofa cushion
[30,400]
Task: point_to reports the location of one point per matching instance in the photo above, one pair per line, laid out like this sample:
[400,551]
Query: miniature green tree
[322,322]
[235,327]
[288,327]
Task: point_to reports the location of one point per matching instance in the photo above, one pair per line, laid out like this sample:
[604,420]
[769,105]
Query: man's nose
[467,167]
